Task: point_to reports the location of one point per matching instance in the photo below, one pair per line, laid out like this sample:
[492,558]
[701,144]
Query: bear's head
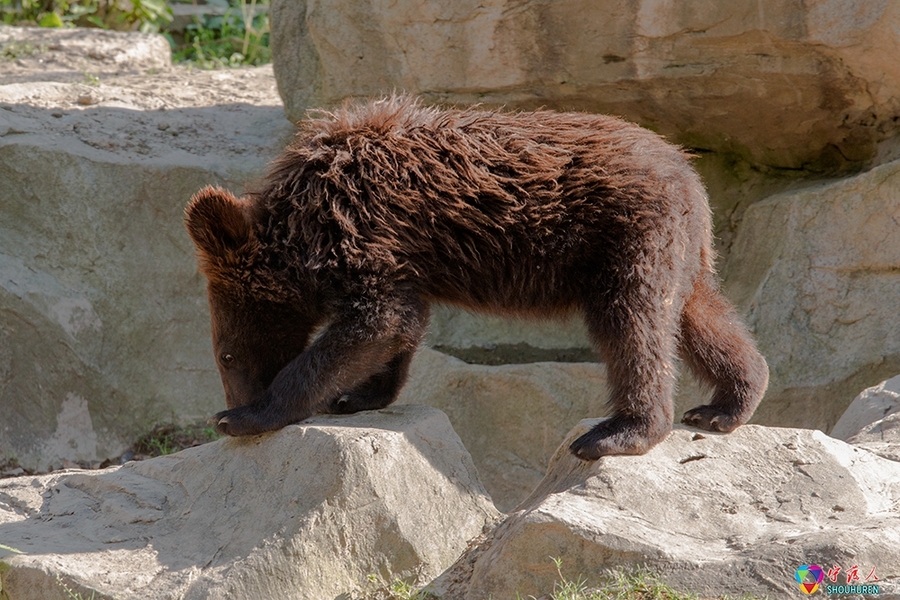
[255,333]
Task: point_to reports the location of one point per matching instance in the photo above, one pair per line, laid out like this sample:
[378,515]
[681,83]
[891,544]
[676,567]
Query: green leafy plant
[148,16]
[240,35]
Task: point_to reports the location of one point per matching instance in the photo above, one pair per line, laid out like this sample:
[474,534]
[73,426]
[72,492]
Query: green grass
[9,549]
[72,595]
[397,590]
[619,584]
[168,439]
[14,49]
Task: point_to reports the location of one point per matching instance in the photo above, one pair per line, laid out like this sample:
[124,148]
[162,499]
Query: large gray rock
[873,420]
[818,272]
[104,329]
[714,514]
[309,512]
[511,418]
[785,84]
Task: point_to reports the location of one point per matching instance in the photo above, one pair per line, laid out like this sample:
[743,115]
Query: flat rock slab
[176,117]
[714,514]
[311,511]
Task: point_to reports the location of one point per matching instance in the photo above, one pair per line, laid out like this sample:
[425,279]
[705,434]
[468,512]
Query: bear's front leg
[353,349]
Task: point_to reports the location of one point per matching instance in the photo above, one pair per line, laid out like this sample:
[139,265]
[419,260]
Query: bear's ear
[217,223]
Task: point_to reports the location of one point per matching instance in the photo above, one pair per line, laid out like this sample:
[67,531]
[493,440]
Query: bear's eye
[227,359]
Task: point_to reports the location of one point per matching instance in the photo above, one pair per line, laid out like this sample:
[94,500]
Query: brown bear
[379,209]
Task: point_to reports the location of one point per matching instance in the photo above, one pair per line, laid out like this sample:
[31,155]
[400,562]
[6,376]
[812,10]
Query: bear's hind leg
[639,350]
[719,350]
[377,391]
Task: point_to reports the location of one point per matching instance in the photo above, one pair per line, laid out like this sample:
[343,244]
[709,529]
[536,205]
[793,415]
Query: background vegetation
[205,33]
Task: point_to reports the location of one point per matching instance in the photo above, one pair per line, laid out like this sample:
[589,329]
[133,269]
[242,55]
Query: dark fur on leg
[379,391]
[717,347]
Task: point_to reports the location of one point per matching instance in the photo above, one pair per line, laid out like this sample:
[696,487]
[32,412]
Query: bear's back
[479,203]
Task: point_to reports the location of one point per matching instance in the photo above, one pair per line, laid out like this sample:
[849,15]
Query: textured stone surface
[487,339]
[881,437]
[310,512]
[818,272]
[714,514]
[76,55]
[817,83]
[104,329]
[511,418]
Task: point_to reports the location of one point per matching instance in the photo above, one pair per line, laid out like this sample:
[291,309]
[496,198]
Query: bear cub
[377,210]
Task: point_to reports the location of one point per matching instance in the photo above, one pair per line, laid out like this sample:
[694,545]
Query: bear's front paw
[241,421]
[711,419]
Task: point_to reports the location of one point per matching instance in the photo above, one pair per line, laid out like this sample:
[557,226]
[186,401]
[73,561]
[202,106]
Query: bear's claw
[710,418]
[237,421]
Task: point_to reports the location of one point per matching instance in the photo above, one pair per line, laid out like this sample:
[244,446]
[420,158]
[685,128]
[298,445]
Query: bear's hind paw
[617,436]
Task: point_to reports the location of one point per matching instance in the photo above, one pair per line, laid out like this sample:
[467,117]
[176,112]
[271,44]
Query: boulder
[104,329]
[817,271]
[881,437]
[873,420]
[511,418]
[817,83]
[713,514]
[870,406]
[312,511]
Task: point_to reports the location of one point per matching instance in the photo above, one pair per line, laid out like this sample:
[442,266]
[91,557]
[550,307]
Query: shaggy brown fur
[376,211]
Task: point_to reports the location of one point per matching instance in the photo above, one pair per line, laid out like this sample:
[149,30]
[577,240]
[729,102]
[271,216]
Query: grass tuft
[71,594]
[169,438]
[620,584]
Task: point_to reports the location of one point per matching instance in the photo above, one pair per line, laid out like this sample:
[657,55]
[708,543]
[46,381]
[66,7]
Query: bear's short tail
[717,346]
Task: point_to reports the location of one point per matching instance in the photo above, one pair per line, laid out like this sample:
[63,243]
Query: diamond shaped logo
[809,577]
